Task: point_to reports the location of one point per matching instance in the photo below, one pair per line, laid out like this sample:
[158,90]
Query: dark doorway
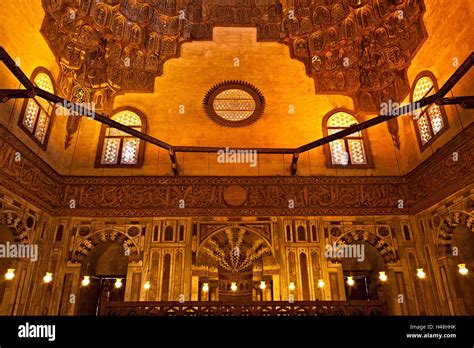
[365,273]
[362,288]
[104,264]
[463,240]
[6,235]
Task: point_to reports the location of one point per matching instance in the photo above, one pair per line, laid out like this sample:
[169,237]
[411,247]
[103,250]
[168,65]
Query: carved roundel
[133,231]
[336,232]
[383,232]
[234,103]
[84,231]
[235,195]
[30,222]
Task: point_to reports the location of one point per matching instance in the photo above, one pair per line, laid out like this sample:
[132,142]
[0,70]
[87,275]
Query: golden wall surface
[269,67]
[398,243]
[411,242]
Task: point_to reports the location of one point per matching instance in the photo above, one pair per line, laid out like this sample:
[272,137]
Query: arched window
[169,234]
[119,149]
[314,234]
[301,234]
[288,233]
[59,233]
[431,120]
[348,151]
[155,234]
[181,233]
[406,233]
[37,113]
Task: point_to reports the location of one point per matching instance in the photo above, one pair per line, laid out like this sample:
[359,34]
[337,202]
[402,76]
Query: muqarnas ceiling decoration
[358,48]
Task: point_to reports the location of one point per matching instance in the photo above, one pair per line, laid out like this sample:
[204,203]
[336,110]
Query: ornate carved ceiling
[359,48]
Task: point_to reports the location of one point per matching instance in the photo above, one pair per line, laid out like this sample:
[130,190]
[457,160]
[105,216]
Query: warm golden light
[263,285]
[233,286]
[382,276]
[147,285]
[350,281]
[321,283]
[205,287]
[10,274]
[292,286]
[420,273]
[86,281]
[462,268]
[118,283]
[48,277]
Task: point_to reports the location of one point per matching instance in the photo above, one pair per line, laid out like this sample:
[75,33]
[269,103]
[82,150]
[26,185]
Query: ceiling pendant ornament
[358,48]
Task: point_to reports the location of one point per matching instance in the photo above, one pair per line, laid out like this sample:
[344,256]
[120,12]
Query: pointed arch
[85,246]
[447,226]
[385,249]
[14,221]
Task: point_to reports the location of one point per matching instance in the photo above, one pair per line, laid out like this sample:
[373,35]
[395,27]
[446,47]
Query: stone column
[194,288]
[276,287]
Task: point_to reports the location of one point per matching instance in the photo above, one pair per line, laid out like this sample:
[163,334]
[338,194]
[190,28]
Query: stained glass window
[348,150]
[37,112]
[430,120]
[120,148]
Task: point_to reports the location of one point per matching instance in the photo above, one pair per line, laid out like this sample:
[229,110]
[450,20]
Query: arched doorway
[456,246]
[104,264]
[364,272]
[463,253]
[236,259]
[6,235]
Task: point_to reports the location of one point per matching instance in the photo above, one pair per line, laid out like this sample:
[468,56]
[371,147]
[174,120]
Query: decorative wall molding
[26,174]
[204,195]
[436,178]
[441,175]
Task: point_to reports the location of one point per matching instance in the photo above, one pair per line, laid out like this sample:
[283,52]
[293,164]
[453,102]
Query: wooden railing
[277,308]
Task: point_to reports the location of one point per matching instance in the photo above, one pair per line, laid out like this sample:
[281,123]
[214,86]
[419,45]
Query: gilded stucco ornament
[358,48]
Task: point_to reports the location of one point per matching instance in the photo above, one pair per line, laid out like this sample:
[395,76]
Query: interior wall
[20,36]
[421,245]
[449,42]
[268,66]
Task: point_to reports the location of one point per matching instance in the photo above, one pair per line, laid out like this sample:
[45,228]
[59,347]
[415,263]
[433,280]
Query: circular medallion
[235,195]
[234,104]
[84,231]
[383,231]
[133,231]
[336,232]
[30,222]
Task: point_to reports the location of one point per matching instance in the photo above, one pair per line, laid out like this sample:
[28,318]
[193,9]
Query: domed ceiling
[358,48]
